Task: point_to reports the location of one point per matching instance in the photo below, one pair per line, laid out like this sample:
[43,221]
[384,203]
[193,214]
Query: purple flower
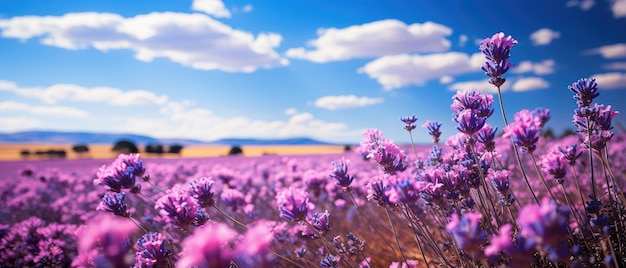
[497,51]
[585,90]
[386,153]
[179,208]
[555,164]
[253,250]
[319,221]
[340,174]
[330,261]
[469,123]
[545,227]
[232,198]
[104,242]
[208,246]
[114,203]
[201,190]
[434,130]
[543,114]
[377,189]
[486,136]
[571,153]
[409,122]
[293,204]
[472,100]
[604,117]
[524,131]
[151,250]
[121,173]
[467,232]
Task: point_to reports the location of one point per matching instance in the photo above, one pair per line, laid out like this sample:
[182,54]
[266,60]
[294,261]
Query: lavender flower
[555,163]
[151,251]
[486,136]
[543,114]
[208,247]
[121,173]
[469,123]
[201,190]
[497,51]
[319,221]
[386,153]
[409,122]
[104,242]
[293,204]
[178,208]
[340,174]
[330,261]
[585,90]
[545,228]
[467,232]
[434,130]
[524,131]
[571,153]
[377,189]
[232,198]
[114,203]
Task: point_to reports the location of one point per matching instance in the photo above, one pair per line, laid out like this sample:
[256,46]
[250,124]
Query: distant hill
[57,137]
[286,141]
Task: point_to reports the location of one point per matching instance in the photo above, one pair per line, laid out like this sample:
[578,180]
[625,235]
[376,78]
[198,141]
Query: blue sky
[210,69]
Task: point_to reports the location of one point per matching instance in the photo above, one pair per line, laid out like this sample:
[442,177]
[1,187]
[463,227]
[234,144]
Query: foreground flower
[208,246]
[151,250]
[201,190]
[114,203]
[104,242]
[384,151]
[468,233]
[585,90]
[340,174]
[497,51]
[524,131]
[121,174]
[178,208]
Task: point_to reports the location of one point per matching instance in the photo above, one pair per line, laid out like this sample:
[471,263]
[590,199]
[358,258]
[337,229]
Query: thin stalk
[519,160]
[326,243]
[593,179]
[412,144]
[230,218]
[137,223]
[395,235]
[543,180]
[419,245]
[155,187]
[578,221]
[358,211]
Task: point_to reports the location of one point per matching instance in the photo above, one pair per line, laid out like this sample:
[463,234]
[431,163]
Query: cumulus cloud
[529,83]
[398,71]
[480,85]
[345,102]
[70,92]
[538,68]
[615,66]
[63,111]
[544,36]
[374,39]
[200,123]
[212,7]
[20,123]
[619,8]
[614,51]
[193,40]
[582,4]
[614,80]
[463,40]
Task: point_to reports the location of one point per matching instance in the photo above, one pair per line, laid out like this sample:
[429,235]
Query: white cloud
[614,51]
[446,79]
[69,92]
[193,40]
[291,111]
[247,8]
[539,68]
[200,123]
[15,124]
[403,70]
[480,85]
[529,83]
[345,102]
[374,39]
[212,7]
[544,36]
[619,8]
[582,4]
[12,106]
[615,66]
[614,80]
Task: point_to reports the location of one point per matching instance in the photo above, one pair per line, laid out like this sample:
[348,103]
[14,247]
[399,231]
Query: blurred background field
[15,151]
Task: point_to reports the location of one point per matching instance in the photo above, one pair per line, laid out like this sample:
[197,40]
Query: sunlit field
[11,151]
[486,196]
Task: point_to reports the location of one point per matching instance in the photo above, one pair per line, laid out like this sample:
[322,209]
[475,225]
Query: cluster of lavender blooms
[475,199]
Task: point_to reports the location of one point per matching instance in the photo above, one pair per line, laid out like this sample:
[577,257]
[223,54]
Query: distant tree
[235,150]
[548,133]
[175,149]
[80,149]
[568,132]
[51,153]
[125,147]
[154,149]
[347,148]
[25,153]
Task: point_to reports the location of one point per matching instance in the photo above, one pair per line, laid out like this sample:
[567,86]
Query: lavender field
[487,196]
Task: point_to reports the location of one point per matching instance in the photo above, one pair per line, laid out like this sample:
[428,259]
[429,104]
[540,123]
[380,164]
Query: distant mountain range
[111,138]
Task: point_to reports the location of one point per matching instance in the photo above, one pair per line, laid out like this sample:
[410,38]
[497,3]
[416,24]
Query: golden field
[11,151]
